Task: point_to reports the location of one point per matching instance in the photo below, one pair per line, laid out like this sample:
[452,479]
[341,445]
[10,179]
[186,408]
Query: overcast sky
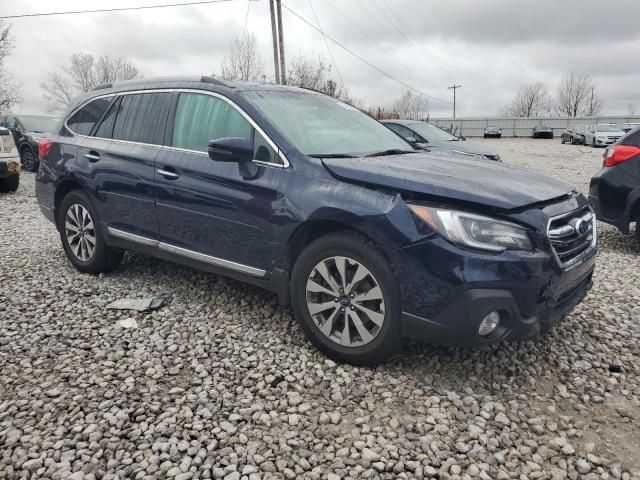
[490,47]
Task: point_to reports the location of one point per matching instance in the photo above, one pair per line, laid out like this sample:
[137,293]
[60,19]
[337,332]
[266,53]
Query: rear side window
[200,118]
[84,119]
[141,118]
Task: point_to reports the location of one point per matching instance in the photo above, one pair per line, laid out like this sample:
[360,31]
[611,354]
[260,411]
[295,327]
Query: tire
[500,136]
[9,184]
[562,139]
[29,160]
[593,142]
[77,204]
[382,337]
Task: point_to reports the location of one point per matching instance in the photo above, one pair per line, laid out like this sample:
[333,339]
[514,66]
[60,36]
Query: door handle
[167,174]
[92,156]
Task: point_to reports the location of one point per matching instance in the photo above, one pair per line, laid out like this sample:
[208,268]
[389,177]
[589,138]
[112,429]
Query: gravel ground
[220,383]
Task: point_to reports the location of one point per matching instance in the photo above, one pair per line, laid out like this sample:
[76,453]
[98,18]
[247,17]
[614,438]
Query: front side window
[404,132]
[84,119]
[432,133]
[319,125]
[201,118]
[142,118]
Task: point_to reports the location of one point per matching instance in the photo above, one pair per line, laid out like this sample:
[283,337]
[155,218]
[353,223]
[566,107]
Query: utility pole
[274,34]
[283,70]
[454,88]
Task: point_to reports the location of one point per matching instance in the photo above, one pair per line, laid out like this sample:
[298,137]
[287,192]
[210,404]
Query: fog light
[489,323]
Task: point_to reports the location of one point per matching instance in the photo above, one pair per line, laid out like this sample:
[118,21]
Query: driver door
[211,210]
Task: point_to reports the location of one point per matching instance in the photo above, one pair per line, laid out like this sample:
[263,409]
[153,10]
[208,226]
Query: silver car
[602,134]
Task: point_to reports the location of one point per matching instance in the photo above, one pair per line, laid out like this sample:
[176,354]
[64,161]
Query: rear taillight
[620,153]
[44,145]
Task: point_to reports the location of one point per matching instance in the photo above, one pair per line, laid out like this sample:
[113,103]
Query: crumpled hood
[463,147]
[492,184]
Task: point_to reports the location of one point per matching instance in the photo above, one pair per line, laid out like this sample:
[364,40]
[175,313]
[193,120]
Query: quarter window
[142,118]
[84,119]
[201,118]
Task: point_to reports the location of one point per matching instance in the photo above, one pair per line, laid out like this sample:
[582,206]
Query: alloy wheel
[28,160]
[345,301]
[80,232]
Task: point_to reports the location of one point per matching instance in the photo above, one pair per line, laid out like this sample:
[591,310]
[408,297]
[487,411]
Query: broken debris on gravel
[220,384]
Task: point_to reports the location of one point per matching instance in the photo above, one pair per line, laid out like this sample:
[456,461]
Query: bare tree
[9,91]
[530,101]
[632,108]
[411,105]
[82,74]
[577,96]
[315,74]
[244,61]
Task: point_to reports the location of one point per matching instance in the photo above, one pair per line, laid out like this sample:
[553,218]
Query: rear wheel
[81,235]
[345,297]
[29,160]
[9,184]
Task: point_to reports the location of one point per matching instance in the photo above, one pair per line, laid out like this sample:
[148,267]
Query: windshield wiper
[391,151]
[331,155]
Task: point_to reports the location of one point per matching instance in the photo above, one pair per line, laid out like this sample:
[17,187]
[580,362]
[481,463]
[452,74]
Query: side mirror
[231,149]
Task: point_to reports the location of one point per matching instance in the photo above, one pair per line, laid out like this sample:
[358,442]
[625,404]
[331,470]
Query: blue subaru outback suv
[369,240]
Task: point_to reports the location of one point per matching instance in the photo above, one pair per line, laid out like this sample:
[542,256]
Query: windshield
[607,128]
[319,125]
[431,133]
[39,123]
[579,128]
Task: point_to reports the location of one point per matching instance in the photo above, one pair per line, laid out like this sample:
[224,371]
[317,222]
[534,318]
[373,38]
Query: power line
[326,44]
[103,10]
[246,19]
[410,40]
[348,50]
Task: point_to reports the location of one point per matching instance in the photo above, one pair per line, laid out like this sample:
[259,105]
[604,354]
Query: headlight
[473,230]
[602,137]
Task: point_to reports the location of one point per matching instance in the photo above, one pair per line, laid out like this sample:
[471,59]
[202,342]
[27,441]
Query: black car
[542,131]
[27,131]
[492,132]
[367,238]
[574,134]
[425,136]
[615,189]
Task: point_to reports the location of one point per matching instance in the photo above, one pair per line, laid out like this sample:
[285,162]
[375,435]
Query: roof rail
[102,86]
[209,79]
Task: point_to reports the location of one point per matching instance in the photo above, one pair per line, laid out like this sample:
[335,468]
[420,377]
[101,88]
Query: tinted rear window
[84,119]
[142,118]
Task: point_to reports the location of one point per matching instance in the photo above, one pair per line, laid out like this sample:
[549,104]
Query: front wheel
[562,139]
[29,160]
[9,184]
[345,297]
[81,235]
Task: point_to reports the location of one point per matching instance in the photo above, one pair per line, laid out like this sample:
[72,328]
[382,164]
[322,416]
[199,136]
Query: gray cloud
[491,47]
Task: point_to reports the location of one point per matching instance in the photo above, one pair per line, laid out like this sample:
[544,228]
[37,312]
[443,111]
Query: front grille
[573,236]
[613,139]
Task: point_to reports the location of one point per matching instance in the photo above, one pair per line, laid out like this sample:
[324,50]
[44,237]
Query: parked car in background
[9,162]
[542,131]
[492,132]
[602,134]
[627,127]
[574,134]
[615,190]
[27,131]
[369,239]
[423,135]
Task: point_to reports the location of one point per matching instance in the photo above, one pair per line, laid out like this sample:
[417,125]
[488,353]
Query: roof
[402,121]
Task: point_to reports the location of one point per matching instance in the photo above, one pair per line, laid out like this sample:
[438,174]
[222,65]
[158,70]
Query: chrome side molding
[183,252]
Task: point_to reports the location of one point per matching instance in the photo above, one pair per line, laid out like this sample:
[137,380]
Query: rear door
[120,153]
[210,210]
